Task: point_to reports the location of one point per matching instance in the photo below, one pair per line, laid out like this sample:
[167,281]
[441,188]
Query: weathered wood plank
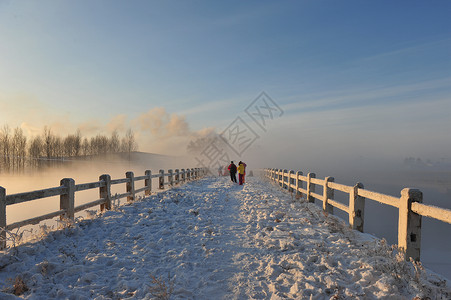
[140,190]
[303,178]
[385,199]
[89,205]
[317,181]
[148,182]
[317,196]
[119,181]
[137,178]
[303,191]
[36,220]
[38,194]
[130,186]
[438,213]
[88,186]
[2,217]
[340,187]
[120,196]
[338,205]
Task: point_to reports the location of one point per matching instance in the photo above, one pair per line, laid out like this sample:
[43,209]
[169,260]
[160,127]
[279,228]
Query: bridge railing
[68,189]
[409,204]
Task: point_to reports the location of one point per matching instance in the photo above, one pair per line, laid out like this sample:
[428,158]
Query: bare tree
[115,143]
[128,142]
[72,144]
[86,147]
[77,143]
[19,147]
[5,139]
[36,149]
[58,149]
[99,144]
[68,145]
[48,142]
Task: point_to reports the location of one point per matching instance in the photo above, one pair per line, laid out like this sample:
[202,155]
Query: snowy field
[212,239]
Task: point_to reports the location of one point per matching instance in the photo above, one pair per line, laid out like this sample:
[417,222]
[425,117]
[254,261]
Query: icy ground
[212,239]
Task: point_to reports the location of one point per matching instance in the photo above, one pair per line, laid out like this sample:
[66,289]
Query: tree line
[16,150]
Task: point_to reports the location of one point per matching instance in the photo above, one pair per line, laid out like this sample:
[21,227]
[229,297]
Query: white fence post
[298,184]
[105,192]
[161,180]
[170,177]
[290,181]
[130,186]
[2,218]
[148,182]
[183,175]
[310,187]
[67,200]
[356,208]
[328,193]
[284,186]
[409,224]
[177,176]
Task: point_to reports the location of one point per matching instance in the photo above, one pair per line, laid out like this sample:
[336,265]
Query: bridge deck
[212,239]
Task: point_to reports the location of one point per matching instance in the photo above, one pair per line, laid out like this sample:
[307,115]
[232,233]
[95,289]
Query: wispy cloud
[401,51]
[370,96]
[211,107]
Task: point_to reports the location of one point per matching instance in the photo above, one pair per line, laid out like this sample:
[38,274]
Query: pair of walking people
[241,169]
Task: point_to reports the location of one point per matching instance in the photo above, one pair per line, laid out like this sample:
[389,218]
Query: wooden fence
[409,205]
[68,188]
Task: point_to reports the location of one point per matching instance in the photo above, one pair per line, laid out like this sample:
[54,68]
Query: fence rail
[68,189]
[409,204]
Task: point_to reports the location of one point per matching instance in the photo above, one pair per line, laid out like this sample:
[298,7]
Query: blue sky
[379,70]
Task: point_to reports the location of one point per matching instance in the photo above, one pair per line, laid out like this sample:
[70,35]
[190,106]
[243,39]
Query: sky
[351,78]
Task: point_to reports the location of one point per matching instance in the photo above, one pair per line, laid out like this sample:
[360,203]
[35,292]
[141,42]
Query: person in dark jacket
[232,169]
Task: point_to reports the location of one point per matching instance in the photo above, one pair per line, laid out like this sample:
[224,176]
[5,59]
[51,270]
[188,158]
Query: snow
[212,239]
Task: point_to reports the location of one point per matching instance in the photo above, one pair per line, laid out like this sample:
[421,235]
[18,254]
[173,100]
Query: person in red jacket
[232,169]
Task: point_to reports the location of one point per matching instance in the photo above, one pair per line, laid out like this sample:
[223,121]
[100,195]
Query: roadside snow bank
[212,239]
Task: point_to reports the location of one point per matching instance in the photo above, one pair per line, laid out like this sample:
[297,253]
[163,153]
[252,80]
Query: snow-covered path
[212,239]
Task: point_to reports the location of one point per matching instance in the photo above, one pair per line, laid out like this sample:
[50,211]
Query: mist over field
[82,170]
